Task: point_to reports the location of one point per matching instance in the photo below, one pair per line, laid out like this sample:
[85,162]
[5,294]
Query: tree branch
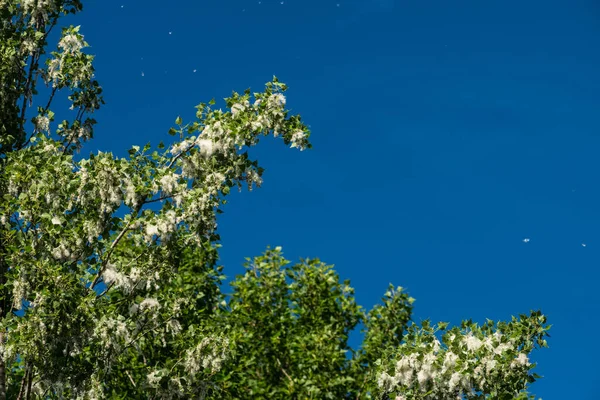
[23,382]
[109,253]
[285,373]
[130,379]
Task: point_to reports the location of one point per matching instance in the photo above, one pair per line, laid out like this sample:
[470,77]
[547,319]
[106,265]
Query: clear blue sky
[444,132]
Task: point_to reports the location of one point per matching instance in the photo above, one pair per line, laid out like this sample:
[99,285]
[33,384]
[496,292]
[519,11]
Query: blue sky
[445,133]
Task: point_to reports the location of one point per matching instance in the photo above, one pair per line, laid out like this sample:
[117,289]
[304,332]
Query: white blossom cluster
[63,253]
[62,70]
[204,359]
[136,279]
[28,46]
[209,354]
[71,43]
[19,292]
[162,226]
[77,134]
[111,276]
[38,9]
[113,332]
[239,107]
[464,367]
[103,186]
[298,140]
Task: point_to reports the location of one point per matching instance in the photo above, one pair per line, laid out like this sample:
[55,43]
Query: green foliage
[290,325]
[471,361]
[96,304]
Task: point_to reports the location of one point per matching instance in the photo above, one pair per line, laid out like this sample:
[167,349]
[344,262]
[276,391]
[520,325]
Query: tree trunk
[4,296]
[3,270]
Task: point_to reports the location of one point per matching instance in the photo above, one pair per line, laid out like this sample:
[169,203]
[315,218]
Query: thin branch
[22,387]
[26,91]
[67,146]
[284,372]
[109,253]
[131,379]
[54,89]
[106,290]
[114,244]
[180,154]
[28,396]
[161,198]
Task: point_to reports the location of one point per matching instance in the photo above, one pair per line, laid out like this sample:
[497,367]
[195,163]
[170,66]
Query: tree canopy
[109,275]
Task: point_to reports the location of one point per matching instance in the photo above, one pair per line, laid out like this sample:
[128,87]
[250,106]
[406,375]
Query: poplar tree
[109,275]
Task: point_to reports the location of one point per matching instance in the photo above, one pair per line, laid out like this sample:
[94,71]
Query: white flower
[436,345]
[454,381]
[490,365]
[54,70]
[19,291]
[237,108]
[154,378]
[502,347]
[151,230]
[298,139]
[42,123]
[208,354]
[207,147]
[116,278]
[252,177]
[216,178]
[277,100]
[423,376]
[61,253]
[131,198]
[28,46]
[56,221]
[181,146]
[71,43]
[84,132]
[384,380]
[28,4]
[521,360]
[261,123]
[473,343]
[449,361]
[169,183]
[174,326]
[149,303]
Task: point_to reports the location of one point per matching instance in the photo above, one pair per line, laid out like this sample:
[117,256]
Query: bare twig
[23,382]
[285,373]
[130,379]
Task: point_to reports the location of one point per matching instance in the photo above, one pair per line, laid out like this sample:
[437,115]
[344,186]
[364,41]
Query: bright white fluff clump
[465,364]
[149,304]
[209,354]
[71,43]
[298,140]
